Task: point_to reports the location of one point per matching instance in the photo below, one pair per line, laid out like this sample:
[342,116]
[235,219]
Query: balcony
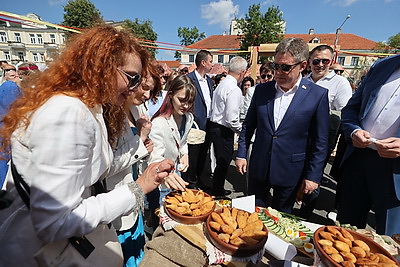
[51,45]
[16,44]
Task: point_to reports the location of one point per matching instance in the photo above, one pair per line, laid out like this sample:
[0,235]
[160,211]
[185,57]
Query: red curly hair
[86,69]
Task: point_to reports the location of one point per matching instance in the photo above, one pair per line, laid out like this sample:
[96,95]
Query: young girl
[171,125]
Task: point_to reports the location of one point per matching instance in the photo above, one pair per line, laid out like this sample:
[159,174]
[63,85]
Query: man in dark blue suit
[202,111]
[291,120]
[371,164]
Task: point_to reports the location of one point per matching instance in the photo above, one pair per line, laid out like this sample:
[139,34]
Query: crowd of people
[90,141]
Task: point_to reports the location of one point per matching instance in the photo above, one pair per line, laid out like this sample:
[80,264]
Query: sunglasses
[133,81]
[324,61]
[269,76]
[339,71]
[283,67]
[7,70]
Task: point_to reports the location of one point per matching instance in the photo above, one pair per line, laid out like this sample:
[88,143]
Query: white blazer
[166,139]
[63,151]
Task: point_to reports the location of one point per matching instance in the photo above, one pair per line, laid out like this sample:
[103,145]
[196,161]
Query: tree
[81,14]
[189,36]
[258,28]
[143,30]
[394,41]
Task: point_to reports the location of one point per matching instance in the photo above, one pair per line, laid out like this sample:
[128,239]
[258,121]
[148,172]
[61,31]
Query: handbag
[196,135]
[100,247]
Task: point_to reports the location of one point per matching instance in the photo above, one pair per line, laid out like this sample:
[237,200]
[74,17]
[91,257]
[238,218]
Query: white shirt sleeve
[342,96]
[233,101]
[65,161]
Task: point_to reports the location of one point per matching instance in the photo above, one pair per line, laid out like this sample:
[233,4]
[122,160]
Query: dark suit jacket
[200,108]
[361,102]
[298,148]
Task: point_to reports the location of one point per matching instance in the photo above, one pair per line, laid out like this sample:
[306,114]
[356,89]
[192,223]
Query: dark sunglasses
[283,67]
[339,71]
[269,76]
[324,61]
[7,70]
[133,81]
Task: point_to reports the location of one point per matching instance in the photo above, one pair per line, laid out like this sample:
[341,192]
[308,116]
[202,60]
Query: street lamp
[338,30]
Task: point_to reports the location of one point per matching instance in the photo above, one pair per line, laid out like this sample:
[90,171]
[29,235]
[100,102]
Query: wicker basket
[196,136]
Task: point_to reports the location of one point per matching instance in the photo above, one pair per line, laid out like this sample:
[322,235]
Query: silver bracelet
[139,195]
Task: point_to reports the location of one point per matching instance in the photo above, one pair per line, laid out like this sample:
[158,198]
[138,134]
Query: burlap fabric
[168,248]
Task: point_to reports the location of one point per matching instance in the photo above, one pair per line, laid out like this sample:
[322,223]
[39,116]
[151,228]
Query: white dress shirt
[205,90]
[62,152]
[282,101]
[246,102]
[339,89]
[226,102]
[383,119]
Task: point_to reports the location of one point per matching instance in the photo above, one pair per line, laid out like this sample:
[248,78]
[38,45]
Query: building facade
[29,42]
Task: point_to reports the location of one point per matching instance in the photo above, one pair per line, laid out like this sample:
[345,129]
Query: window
[21,56]
[17,36]
[315,40]
[230,57]
[35,57]
[220,58]
[191,58]
[62,38]
[341,60]
[354,61]
[7,55]
[39,38]
[3,37]
[42,58]
[52,38]
[32,38]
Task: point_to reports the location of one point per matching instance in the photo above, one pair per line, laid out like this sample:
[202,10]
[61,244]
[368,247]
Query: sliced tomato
[302,234]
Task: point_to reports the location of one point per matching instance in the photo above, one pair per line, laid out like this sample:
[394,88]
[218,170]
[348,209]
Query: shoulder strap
[22,187]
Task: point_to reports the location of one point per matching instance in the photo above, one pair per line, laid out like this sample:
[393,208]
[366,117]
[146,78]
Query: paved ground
[325,204]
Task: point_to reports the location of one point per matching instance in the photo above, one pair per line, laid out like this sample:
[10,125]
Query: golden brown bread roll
[362,244]
[346,234]
[215,216]
[224,237]
[216,226]
[348,256]
[227,229]
[324,242]
[330,250]
[348,264]
[341,246]
[358,252]
[384,259]
[326,235]
[337,257]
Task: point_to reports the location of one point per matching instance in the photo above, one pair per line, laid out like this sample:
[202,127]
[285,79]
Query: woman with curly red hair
[63,135]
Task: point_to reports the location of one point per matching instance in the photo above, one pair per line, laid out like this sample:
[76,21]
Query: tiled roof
[346,41]
[218,42]
[173,64]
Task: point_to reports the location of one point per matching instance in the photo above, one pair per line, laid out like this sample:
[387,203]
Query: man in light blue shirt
[371,178]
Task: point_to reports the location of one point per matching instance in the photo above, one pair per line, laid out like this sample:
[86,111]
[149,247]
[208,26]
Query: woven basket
[196,136]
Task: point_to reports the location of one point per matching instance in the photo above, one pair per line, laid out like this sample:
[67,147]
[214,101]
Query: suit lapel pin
[304,87]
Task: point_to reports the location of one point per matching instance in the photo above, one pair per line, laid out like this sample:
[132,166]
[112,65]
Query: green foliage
[394,41]
[189,36]
[81,14]
[143,29]
[260,28]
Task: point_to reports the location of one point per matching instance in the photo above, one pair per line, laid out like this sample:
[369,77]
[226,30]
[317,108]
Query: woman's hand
[154,175]
[149,145]
[144,127]
[183,163]
[174,181]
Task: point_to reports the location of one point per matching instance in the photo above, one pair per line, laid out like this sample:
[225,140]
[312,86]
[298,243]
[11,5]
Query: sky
[375,20]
